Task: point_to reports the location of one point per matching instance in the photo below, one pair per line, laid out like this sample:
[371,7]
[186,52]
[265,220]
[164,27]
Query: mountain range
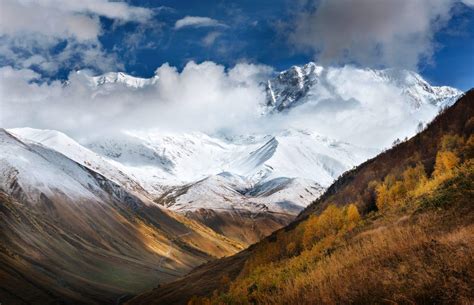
[146,206]
[396,229]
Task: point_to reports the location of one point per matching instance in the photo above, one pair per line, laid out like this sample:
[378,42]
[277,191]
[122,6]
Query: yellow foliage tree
[451,143]
[445,163]
[330,221]
[414,177]
[389,193]
[310,231]
[353,216]
[382,199]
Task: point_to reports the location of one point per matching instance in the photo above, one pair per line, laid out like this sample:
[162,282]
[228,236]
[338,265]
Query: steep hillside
[354,186]
[68,234]
[397,229]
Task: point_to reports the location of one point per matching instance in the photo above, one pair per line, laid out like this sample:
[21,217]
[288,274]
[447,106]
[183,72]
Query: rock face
[309,83]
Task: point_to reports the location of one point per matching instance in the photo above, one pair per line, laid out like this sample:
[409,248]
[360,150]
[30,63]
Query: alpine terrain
[96,220]
[398,228]
[244,186]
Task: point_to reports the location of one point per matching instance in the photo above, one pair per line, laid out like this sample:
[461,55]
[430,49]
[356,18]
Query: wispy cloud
[197,22]
[210,38]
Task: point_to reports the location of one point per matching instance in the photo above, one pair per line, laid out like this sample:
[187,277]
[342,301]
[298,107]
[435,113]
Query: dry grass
[413,261]
[394,266]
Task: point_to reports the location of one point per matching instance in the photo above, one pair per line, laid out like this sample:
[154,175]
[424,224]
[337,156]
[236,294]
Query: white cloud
[202,97]
[350,104]
[468,2]
[395,33]
[35,26]
[196,21]
[64,19]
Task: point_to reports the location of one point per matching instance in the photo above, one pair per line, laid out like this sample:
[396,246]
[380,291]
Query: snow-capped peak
[301,84]
[120,78]
[287,89]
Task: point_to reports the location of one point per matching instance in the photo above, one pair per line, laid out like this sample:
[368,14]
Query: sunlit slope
[69,233]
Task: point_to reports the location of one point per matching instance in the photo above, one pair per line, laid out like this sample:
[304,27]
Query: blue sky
[453,62]
[253,34]
[278,33]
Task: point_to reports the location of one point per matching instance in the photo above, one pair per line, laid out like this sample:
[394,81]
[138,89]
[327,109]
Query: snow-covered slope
[159,160]
[228,192]
[34,171]
[299,153]
[63,144]
[196,171]
[312,83]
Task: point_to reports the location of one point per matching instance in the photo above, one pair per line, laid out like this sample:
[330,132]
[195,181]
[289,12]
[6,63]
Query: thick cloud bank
[349,104]
[202,97]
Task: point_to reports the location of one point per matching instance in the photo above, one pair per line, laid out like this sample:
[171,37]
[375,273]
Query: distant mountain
[189,173]
[121,79]
[253,179]
[240,176]
[312,83]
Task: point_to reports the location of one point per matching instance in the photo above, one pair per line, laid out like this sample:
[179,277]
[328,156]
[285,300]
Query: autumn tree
[414,177]
[352,215]
[451,143]
[330,221]
[445,162]
[310,231]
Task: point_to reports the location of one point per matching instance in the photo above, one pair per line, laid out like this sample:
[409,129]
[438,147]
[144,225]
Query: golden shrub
[445,162]
[353,216]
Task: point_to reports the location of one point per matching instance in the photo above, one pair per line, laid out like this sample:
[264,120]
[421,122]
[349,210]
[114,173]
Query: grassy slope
[371,260]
